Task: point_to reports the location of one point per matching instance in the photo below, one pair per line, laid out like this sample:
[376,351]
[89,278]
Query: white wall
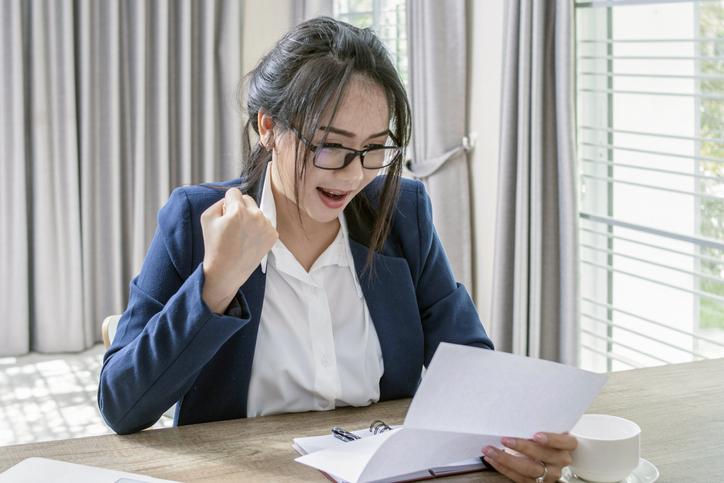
[485,28]
[264,23]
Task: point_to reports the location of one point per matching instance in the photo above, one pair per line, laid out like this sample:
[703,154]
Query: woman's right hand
[237,235]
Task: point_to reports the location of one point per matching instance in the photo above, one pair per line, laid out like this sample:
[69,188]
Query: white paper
[312,444]
[469,398]
[36,469]
[347,461]
[479,391]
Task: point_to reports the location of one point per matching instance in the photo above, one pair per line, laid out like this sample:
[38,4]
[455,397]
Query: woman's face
[362,119]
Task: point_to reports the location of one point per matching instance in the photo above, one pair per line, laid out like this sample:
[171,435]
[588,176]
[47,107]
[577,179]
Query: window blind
[650,143]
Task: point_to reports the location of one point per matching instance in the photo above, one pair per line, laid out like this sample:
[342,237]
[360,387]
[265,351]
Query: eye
[331,145]
[374,146]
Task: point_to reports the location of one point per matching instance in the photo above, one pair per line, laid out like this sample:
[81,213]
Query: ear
[266,132]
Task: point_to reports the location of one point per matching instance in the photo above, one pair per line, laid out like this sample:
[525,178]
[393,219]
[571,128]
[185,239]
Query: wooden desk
[680,409]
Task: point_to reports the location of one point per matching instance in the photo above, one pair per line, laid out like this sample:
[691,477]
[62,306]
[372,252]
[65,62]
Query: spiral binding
[379,426]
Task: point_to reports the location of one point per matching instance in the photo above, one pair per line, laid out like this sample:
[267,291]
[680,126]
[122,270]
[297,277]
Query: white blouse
[317,347]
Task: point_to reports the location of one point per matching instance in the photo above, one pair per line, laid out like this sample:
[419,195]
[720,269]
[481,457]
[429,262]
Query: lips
[334,194]
[332,198]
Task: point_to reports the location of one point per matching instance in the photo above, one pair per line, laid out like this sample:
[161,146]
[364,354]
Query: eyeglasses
[336,156]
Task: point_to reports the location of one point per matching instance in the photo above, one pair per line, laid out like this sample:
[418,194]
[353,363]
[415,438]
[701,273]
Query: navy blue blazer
[171,348]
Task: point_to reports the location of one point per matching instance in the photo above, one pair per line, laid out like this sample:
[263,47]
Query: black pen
[344,435]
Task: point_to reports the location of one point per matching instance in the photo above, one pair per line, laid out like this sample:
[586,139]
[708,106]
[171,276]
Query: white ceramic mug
[608,448]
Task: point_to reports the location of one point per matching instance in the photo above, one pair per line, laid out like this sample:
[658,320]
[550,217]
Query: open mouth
[332,194]
[332,198]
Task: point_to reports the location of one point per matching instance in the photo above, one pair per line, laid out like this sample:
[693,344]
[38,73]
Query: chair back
[108,329]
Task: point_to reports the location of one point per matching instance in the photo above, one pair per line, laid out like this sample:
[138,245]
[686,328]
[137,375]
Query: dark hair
[305,74]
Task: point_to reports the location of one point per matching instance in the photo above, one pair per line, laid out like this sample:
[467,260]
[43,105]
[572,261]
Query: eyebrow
[350,134]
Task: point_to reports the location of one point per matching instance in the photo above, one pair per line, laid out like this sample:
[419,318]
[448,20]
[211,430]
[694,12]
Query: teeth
[338,193]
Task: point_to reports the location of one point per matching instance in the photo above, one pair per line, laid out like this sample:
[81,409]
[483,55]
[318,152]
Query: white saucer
[645,472]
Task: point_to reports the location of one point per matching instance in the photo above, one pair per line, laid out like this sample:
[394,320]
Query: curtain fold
[14,194]
[535,294]
[106,107]
[438,92]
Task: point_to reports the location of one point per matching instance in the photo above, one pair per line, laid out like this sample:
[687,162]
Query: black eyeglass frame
[353,153]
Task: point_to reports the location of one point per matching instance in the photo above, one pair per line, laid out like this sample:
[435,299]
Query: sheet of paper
[312,444]
[478,391]
[348,461]
[44,469]
[468,398]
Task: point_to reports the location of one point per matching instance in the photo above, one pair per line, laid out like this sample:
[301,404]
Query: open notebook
[469,398]
[311,444]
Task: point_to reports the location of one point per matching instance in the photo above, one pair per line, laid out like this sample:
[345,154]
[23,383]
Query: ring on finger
[542,478]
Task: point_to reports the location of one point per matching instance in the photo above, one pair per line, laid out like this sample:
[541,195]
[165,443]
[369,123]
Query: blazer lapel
[245,340]
[253,292]
[390,296]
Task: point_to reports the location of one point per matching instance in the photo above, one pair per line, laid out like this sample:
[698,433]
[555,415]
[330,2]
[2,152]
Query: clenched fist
[237,235]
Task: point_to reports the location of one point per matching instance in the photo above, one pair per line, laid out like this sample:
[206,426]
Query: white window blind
[650,138]
[386,18]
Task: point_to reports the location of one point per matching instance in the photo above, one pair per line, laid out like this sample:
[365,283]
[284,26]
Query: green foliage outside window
[711,26]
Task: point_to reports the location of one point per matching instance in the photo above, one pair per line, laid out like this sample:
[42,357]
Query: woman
[316,283]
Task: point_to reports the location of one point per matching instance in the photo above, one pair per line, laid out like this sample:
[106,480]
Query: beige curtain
[106,106]
[438,84]
[535,287]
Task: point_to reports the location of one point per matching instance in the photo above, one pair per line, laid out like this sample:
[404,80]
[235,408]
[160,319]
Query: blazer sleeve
[167,333]
[448,313]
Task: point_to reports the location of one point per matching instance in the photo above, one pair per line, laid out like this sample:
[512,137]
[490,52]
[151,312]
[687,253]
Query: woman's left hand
[540,459]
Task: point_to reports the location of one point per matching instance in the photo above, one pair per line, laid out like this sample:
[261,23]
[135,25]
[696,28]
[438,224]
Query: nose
[353,173]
